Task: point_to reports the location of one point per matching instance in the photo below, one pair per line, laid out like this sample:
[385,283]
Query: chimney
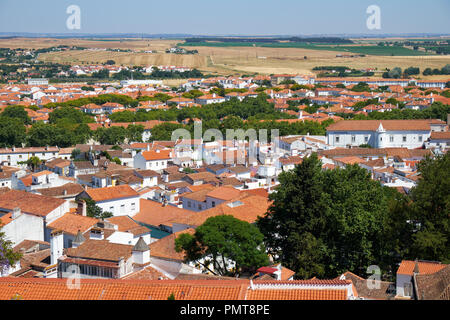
[16,213]
[96,234]
[416,267]
[56,246]
[79,239]
[82,208]
[141,252]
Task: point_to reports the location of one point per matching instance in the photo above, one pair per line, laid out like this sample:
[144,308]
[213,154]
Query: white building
[12,156]
[379,133]
[37,82]
[119,200]
[152,160]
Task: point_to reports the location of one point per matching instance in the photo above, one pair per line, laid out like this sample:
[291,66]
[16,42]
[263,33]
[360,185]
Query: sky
[230,17]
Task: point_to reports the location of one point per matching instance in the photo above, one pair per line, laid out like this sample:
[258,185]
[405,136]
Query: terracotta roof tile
[425,267]
[109,193]
[70,223]
[29,202]
[302,294]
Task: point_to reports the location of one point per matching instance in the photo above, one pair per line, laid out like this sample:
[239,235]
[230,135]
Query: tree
[223,241]
[12,132]
[323,223]
[33,162]
[116,160]
[110,62]
[112,135]
[16,112]
[7,256]
[134,132]
[75,153]
[393,73]
[93,210]
[361,87]
[446,69]
[431,207]
[101,74]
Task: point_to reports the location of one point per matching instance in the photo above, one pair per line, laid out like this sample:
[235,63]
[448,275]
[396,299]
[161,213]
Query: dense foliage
[323,223]
[223,238]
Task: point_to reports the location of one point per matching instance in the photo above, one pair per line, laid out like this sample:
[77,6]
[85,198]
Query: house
[200,178]
[157,215]
[247,207]
[6,176]
[77,168]
[68,191]
[149,177]
[406,276]
[34,261]
[37,180]
[209,98]
[433,286]
[288,163]
[240,172]
[152,160]
[25,215]
[369,289]
[196,201]
[125,224]
[439,140]
[379,133]
[100,258]
[119,200]
[12,156]
[165,257]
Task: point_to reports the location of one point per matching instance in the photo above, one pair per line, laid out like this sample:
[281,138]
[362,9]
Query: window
[408,289]
[189,204]
[199,207]
[366,139]
[111,209]
[122,208]
[420,138]
[404,138]
[353,138]
[337,138]
[133,206]
[391,138]
[213,204]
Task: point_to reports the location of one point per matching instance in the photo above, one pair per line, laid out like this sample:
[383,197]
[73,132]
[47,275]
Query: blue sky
[244,17]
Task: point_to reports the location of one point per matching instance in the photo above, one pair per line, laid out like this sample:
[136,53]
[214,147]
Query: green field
[369,50]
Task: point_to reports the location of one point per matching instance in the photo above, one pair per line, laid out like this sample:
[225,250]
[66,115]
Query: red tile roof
[425,267]
[109,193]
[105,289]
[29,203]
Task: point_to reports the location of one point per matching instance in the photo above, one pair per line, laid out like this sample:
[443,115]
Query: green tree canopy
[221,239]
[93,210]
[7,256]
[16,112]
[431,210]
[323,223]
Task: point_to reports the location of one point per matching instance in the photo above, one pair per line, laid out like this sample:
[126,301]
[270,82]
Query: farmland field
[234,60]
[359,49]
